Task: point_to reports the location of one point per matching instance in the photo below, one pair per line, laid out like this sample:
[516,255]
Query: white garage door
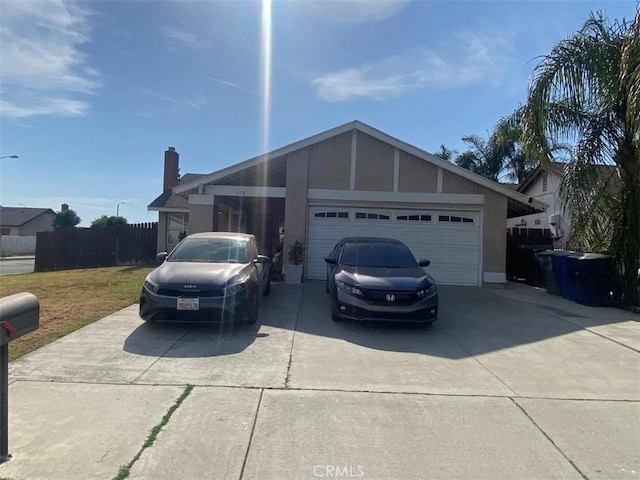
[450,239]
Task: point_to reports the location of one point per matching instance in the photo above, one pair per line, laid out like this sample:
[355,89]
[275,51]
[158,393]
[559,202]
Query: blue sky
[92,92]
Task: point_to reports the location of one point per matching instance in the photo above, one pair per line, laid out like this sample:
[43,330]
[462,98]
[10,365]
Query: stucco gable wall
[416,175]
[374,164]
[330,163]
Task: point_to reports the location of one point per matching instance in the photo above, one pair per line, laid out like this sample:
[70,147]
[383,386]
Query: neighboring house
[25,221]
[544,184]
[351,180]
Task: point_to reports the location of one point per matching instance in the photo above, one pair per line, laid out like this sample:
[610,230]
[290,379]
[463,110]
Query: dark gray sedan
[211,276]
[379,279]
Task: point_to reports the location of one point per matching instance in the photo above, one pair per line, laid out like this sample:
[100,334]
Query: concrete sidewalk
[500,387]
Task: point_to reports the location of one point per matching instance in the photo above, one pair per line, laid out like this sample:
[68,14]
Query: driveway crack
[480,363]
[546,435]
[293,341]
[253,429]
[159,357]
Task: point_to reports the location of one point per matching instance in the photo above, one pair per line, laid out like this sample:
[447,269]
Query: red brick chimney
[65,207]
[171,166]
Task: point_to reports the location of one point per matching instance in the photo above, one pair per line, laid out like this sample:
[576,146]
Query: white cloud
[231,84]
[182,38]
[468,58]
[43,70]
[355,11]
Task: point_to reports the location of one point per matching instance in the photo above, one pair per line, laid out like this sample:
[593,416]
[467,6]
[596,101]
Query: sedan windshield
[218,250]
[377,255]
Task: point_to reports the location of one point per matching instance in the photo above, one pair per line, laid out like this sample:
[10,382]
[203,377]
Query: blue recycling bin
[560,261]
[591,275]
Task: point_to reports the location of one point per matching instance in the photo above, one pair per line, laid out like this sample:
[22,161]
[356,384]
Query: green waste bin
[591,275]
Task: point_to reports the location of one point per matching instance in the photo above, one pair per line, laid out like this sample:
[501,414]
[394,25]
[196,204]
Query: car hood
[384,278]
[198,273]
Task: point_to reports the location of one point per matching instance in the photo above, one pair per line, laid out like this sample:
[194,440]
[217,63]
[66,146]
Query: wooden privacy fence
[522,246]
[96,247]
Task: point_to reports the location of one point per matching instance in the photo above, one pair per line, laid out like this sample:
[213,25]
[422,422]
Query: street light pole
[118,208]
[10,156]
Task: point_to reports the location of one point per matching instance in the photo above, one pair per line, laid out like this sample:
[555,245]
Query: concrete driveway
[509,383]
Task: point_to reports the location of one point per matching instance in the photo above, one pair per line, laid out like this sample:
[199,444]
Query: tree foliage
[106,221]
[66,219]
[586,91]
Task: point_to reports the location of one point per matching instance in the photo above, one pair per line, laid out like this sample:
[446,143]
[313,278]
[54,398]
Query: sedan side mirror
[424,263]
[161,257]
[262,259]
[331,260]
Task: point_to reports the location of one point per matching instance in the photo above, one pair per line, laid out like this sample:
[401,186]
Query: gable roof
[169,201]
[555,167]
[18,216]
[375,133]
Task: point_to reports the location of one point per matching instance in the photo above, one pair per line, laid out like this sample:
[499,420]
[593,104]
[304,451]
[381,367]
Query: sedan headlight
[235,288]
[151,285]
[427,291]
[350,289]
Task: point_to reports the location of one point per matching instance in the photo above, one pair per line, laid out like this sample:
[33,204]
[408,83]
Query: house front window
[176,224]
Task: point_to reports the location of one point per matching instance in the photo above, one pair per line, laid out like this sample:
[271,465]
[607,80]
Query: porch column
[295,208]
[203,213]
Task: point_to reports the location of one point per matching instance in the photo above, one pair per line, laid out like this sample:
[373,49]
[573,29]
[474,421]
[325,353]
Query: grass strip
[72,299]
[124,471]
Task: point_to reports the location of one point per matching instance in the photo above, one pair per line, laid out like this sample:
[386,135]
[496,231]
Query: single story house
[351,180]
[23,221]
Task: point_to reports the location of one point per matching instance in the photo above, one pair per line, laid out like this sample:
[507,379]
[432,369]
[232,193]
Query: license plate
[188,304]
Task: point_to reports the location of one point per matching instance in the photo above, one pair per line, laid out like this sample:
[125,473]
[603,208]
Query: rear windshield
[377,255]
[217,250]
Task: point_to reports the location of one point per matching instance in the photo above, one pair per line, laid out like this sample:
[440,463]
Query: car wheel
[267,287]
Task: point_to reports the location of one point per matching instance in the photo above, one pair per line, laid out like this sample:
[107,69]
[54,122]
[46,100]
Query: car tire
[253,314]
[334,315]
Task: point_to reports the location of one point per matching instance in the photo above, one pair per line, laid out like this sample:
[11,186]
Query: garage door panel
[452,248]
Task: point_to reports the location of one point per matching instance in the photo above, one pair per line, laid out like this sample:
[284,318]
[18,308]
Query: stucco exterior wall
[494,235]
[494,217]
[416,175]
[329,163]
[42,223]
[452,183]
[374,164]
[162,232]
[550,197]
[295,208]
[203,214]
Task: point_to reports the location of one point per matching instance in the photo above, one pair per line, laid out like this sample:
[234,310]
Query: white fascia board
[359,195]
[168,209]
[243,191]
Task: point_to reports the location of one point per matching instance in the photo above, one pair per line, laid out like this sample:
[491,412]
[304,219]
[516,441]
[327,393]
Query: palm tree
[483,157]
[508,140]
[586,91]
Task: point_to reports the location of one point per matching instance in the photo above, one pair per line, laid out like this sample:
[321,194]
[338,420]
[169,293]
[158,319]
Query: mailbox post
[19,315]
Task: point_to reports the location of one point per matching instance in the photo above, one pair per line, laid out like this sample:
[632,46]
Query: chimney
[65,207]
[171,165]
